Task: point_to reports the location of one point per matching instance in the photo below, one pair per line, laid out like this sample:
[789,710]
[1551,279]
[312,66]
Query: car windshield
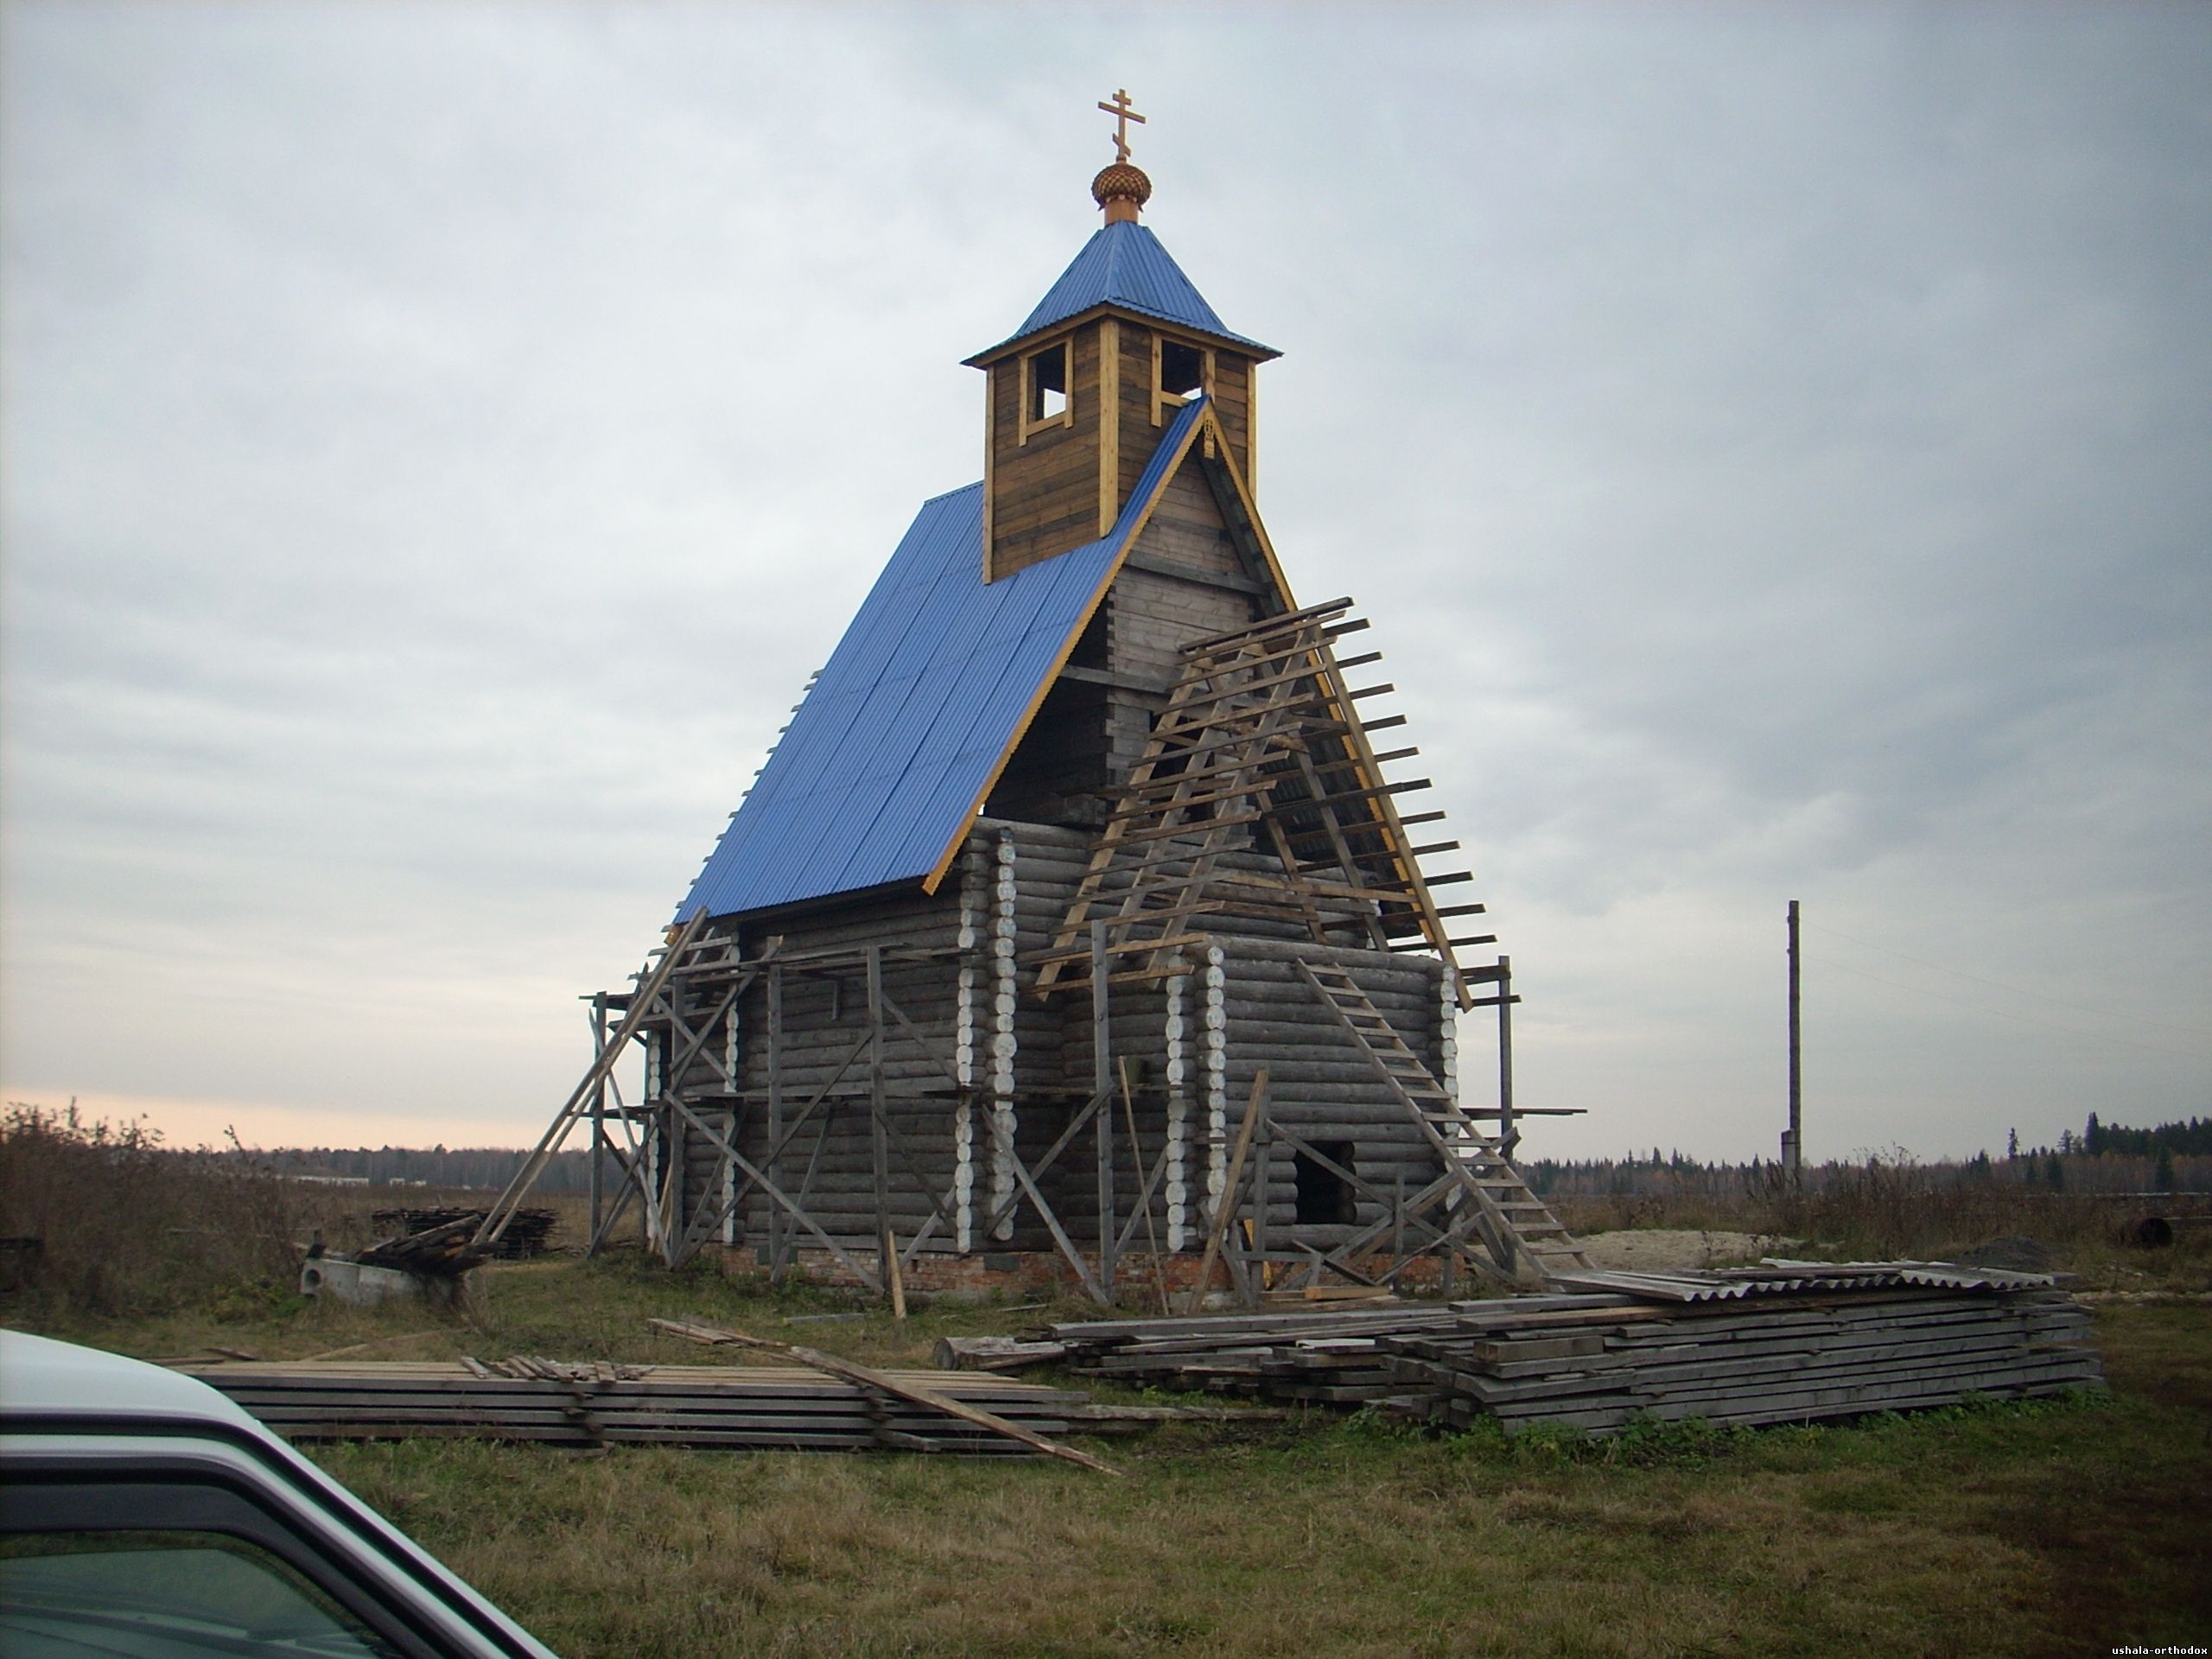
[165,1595]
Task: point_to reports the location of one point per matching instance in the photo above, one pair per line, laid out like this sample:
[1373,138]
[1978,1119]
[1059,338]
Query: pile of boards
[1332,1358]
[556,1404]
[526,1233]
[1782,1343]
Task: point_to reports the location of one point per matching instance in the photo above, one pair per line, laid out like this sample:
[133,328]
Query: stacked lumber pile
[1325,1356]
[1785,1342]
[737,1408]
[527,1230]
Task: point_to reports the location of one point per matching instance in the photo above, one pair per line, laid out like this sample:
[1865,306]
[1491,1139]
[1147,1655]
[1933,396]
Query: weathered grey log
[994,1353]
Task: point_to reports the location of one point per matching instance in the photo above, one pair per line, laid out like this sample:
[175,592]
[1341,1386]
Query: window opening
[1182,369]
[1048,384]
[1324,1198]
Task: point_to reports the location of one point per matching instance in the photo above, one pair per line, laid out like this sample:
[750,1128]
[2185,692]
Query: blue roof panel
[1124,264]
[896,740]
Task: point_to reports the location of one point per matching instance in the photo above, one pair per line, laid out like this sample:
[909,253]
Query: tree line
[2102,1157]
[490,1168]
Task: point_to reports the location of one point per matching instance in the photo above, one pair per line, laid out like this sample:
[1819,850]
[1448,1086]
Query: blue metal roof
[888,756]
[1124,264]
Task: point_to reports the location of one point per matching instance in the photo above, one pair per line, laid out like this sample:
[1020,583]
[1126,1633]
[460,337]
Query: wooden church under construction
[1078,915]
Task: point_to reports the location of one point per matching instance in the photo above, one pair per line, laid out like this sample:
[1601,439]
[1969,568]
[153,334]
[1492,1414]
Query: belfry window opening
[1182,370]
[1046,390]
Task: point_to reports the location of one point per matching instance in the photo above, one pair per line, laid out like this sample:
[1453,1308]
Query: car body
[142,1514]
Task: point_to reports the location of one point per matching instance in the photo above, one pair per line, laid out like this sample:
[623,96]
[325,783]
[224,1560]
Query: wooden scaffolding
[1259,749]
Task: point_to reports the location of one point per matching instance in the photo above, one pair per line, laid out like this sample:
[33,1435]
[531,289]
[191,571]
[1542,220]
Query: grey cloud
[439,444]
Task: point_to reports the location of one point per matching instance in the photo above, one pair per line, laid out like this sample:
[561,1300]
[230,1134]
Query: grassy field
[2064,1527]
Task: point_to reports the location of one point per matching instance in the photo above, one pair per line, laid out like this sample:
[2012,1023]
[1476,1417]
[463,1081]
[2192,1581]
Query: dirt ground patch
[1657,1249]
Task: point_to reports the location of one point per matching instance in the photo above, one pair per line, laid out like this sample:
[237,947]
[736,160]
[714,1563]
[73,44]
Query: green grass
[2046,1529]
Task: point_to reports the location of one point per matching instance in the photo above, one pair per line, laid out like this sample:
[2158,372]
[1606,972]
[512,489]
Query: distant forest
[2193,1137]
[2102,1157]
[477,1166]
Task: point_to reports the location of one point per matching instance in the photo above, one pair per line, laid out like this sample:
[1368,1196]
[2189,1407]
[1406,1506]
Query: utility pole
[1792,1143]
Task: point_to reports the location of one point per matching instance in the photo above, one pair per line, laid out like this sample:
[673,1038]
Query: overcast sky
[1773,444]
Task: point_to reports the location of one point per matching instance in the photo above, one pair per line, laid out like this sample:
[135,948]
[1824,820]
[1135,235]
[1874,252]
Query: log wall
[1321,1086]
[830,1164]
[991,1067]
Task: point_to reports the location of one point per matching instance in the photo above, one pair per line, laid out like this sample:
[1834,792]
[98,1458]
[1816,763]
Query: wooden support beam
[1051,1154]
[1102,1082]
[1175,943]
[777,1195]
[1268,627]
[1372,792]
[1227,1208]
[1059,1233]
[649,988]
[599,1147]
[775,1057]
[879,1139]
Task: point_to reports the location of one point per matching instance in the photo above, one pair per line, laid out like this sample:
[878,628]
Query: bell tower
[1079,396]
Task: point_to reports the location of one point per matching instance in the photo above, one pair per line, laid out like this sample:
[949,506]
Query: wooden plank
[889,1382]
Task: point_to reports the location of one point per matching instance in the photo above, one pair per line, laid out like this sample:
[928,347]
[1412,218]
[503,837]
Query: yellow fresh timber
[1109,425]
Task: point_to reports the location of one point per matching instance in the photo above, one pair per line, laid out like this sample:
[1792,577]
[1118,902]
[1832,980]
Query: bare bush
[109,1223]
[1887,1205]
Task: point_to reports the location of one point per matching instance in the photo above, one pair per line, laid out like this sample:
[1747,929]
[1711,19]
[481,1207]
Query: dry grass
[2050,1529]
[2003,1531]
[124,1227]
[1883,1206]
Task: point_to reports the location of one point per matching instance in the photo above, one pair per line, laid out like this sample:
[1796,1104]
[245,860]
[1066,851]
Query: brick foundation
[1031,1272]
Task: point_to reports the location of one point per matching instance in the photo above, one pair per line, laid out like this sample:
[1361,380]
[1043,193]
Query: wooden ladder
[1515,1225]
[1259,748]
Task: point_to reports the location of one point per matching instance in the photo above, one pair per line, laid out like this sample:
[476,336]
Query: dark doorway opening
[1324,1198]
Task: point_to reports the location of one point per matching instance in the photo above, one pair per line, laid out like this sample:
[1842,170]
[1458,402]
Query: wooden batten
[1109,425]
[990,465]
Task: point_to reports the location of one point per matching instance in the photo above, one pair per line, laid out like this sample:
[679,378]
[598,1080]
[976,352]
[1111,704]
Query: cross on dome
[1123,112]
[1121,187]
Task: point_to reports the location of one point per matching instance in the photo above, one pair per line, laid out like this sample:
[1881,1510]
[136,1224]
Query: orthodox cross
[1123,112]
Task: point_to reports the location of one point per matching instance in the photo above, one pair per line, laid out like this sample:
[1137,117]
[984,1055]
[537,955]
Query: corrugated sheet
[884,757]
[1124,264]
[1778,1278]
